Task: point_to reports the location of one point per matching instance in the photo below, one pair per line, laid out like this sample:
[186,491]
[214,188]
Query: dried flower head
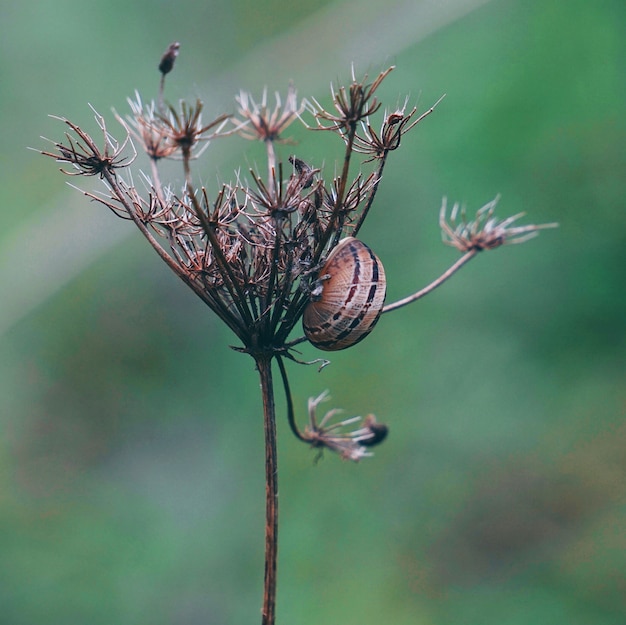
[149,129]
[485,231]
[352,104]
[349,444]
[185,129]
[83,153]
[393,127]
[257,122]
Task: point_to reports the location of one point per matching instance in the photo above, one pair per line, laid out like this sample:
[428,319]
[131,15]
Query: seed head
[149,129]
[86,158]
[350,445]
[255,121]
[394,126]
[352,104]
[167,60]
[485,231]
[184,129]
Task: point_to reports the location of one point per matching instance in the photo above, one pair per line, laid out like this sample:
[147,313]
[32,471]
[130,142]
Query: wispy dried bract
[336,437]
[485,231]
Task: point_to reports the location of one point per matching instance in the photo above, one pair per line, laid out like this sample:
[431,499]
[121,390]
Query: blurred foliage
[131,447]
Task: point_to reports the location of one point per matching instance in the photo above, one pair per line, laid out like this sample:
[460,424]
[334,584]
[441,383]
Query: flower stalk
[268,609]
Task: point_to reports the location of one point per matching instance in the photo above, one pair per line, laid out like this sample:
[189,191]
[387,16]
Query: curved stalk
[290,413]
[372,194]
[264,367]
[434,284]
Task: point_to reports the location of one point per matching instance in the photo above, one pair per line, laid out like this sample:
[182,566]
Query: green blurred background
[131,482]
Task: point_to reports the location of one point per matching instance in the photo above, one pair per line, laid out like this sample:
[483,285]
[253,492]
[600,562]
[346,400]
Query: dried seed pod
[352,295]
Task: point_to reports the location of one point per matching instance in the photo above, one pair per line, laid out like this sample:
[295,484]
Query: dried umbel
[263,252]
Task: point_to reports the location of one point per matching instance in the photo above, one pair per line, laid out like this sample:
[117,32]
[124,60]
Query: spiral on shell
[352,298]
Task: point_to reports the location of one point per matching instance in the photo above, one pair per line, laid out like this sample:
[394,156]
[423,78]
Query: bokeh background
[131,459]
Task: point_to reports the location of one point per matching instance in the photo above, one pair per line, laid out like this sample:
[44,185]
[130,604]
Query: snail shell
[353,293]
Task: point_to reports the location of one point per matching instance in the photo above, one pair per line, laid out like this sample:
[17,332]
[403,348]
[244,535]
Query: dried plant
[254,251]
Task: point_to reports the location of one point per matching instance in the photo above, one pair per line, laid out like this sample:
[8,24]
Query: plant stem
[290,415]
[434,284]
[264,367]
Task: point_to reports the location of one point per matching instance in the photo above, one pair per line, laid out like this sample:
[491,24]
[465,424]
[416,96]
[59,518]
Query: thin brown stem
[372,194]
[433,285]
[271,165]
[161,100]
[341,192]
[156,181]
[267,304]
[264,367]
[290,412]
[346,166]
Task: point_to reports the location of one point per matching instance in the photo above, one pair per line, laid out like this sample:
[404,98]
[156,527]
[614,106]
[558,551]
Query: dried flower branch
[261,253]
[485,232]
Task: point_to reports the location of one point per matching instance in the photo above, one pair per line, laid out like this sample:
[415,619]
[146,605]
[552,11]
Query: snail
[352,295]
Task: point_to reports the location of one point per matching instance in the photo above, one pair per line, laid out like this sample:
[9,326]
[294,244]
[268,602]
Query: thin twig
[371,194]
[433,285]
[290,412]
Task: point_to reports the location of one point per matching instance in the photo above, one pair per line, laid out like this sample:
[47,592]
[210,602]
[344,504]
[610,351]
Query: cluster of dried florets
[252,251]
[484,232]
[335,435]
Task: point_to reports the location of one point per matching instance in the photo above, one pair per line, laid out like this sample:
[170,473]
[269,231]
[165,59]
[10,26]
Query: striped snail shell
[353,293]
